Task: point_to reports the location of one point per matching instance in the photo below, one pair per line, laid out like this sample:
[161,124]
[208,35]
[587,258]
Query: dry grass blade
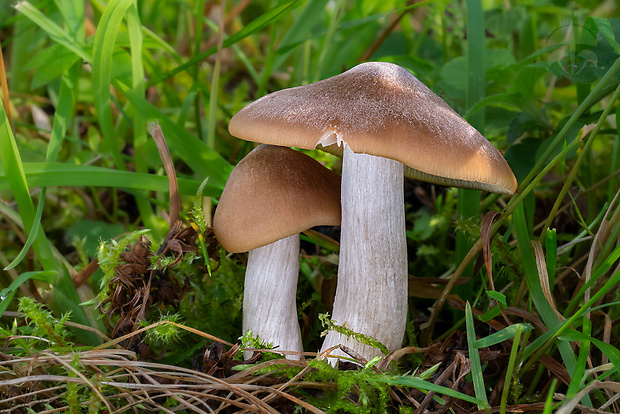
[485,232]
[569,406]
[117,377]
[5,90]
[187,328]
[544,277]
[450,371]
[600,239]
[81,376]
[166,159]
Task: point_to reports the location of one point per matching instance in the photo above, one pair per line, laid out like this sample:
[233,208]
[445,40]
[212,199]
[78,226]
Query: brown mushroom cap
[380,109]
[272,193]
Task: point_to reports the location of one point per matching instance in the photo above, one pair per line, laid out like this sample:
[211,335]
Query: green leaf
[604,27]
[408,381]
[498,297]
[474,357]
[51,62]
[6,295]
[55,32]
[503,335]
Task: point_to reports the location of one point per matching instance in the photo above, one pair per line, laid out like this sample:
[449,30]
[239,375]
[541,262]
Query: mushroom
[384,118]
[272,195]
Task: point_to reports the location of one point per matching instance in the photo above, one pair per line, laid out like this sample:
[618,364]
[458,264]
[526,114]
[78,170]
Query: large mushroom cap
[273,193]
[380,109]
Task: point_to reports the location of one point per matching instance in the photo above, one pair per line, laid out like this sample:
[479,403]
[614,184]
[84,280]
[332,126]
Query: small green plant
[343,330]
[43,325]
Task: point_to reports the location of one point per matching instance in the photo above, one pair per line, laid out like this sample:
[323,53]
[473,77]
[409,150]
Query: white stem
[371,296]
[269,306]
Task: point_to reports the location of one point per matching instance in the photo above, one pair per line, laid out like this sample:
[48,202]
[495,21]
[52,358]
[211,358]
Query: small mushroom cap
[380,109]
[272,193]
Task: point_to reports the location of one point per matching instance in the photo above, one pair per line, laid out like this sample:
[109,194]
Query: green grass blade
[474,357]
[263,20]
[503,335]
[531,271]
[409,381]
[511,364]
[55,32]
[73,13]
[14,172]
[103,50]
[59,174]
[545,310]
[582,360]
[608,350]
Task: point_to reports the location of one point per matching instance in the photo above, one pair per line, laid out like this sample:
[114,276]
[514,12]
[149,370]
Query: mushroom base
[269,306]
[371,296]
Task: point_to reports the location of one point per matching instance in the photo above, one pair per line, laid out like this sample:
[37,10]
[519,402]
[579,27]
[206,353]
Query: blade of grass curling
[474,357]
[511,364]
[263,20]
[16,179]
[103,48]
